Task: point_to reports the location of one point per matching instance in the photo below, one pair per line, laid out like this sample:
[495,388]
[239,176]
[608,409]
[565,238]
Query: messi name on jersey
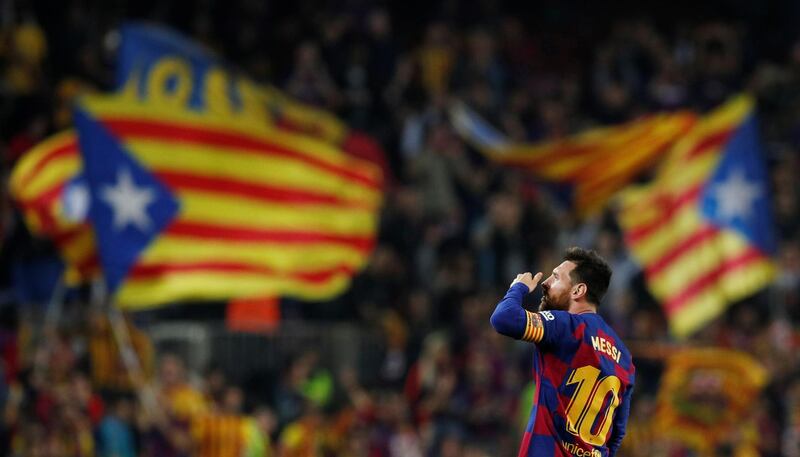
[603,345]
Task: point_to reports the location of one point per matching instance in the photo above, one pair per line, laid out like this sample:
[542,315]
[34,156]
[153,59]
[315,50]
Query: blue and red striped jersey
[584,377]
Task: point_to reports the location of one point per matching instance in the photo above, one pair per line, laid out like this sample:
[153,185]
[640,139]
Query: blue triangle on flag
[736,197]
[129,206]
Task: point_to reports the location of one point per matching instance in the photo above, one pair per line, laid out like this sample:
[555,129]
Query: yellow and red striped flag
[47,185]
[50,186]
[191,205]
[149,53]
[597,162]
[702,230]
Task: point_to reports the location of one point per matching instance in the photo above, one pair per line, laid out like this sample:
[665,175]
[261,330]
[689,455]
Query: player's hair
[590,269]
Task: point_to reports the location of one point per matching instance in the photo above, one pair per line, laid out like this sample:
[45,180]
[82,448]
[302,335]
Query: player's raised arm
[509,317]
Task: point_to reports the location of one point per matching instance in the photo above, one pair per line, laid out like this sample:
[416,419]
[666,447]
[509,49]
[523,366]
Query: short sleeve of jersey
[547,327]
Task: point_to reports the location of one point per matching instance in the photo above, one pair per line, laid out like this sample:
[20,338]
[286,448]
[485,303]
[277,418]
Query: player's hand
[528,279]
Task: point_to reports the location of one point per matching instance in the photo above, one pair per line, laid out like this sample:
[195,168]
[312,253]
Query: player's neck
[581,307]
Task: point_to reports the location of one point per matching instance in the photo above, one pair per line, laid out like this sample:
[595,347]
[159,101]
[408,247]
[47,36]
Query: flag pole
[51,317]
[122,336]
[130,359]
[55,304]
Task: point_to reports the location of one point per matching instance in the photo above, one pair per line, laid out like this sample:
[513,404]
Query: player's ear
[579,290]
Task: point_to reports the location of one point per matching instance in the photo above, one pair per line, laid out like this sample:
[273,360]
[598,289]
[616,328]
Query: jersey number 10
[586,404]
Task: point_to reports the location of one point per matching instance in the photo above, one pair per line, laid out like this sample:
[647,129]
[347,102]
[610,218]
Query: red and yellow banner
[291,183]
[698,228]
[706,396]
[261,211]
[40,184]
[598,162]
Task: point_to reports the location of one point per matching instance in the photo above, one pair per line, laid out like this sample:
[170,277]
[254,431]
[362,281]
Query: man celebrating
[582,371]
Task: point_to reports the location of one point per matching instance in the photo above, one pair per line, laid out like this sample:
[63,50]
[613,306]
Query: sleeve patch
[534,328]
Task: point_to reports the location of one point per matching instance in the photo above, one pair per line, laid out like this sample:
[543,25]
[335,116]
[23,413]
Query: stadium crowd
[455,228]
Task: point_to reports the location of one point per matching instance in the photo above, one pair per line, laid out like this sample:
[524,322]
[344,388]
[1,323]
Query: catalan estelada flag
[48,186]
[702,230]
[175,77]
[597,162]
[148,53]
[189,205]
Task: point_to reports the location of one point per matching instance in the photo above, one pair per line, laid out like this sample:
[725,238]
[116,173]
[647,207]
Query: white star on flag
[735,196]
[128,202]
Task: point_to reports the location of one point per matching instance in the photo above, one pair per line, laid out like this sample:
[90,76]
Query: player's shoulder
[603,336]
[559,319]
[552,315]
[564,318]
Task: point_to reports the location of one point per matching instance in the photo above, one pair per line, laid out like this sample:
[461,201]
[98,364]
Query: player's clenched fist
[528,279]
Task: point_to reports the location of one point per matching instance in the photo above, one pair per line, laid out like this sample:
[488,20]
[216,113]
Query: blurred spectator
[480,74]
[224,430]
[166,423]
[27,51]
[183,399]
[304,436]
[436,58]
[108,368]
[116,437]
[260,432]
[310,81]
[305,387]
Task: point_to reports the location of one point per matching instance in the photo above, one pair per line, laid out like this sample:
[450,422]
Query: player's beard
[554,302]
